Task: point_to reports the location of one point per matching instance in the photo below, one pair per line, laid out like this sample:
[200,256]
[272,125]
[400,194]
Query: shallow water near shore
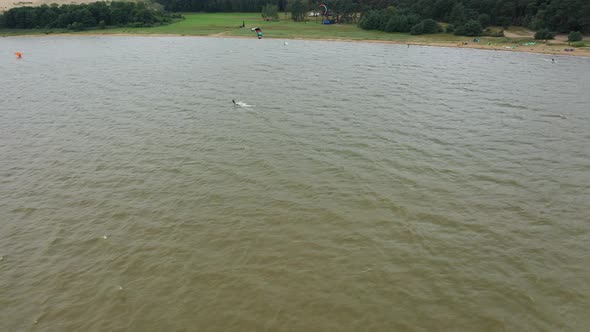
[367,187]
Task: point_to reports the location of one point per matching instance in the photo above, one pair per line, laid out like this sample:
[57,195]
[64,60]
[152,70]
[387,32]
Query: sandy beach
[7,4]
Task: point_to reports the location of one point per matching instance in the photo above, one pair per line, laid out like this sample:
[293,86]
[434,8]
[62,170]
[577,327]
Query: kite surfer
[258,31]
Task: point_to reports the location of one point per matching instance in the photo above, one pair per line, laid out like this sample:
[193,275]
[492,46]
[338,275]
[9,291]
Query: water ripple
[372,187]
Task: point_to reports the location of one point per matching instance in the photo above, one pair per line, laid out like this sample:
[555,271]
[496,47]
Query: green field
[227,24]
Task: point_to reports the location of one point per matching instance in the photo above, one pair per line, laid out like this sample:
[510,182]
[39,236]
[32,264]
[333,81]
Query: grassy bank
[228,25]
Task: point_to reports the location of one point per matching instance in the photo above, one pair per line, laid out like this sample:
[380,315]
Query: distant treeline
[470,15]
[555,15]
[82,16]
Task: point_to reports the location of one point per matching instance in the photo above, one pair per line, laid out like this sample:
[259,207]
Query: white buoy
[104,237]
[120,288]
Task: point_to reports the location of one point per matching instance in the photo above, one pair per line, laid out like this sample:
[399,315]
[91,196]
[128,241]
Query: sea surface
[359,187]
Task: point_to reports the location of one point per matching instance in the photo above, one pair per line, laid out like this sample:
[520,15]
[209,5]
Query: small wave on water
[242,104]
[390,190]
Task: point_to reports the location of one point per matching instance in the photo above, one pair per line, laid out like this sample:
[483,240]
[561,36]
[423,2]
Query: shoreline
[537,49]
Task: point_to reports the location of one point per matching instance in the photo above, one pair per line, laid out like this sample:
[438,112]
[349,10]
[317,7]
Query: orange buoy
[18,55]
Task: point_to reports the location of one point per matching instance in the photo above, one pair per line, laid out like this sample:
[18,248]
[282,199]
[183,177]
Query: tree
[373,20]
[544,34]
[417,29]
[343,10]
[398,23]
[555,15]
[457,15]
[470,28]
[298,11]
[76,26]
[431,26]
[504,21]
[84,17]
[575,36]
[270,12]
[101,11]
[442,8]
[427,26]
[79,17]
[391,11]
[484,20]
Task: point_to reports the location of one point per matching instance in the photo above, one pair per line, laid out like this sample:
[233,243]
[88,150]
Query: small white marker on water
[104,237]
[1,258]
[120,288]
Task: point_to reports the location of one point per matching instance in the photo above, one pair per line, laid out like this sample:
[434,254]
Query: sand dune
[7,4]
